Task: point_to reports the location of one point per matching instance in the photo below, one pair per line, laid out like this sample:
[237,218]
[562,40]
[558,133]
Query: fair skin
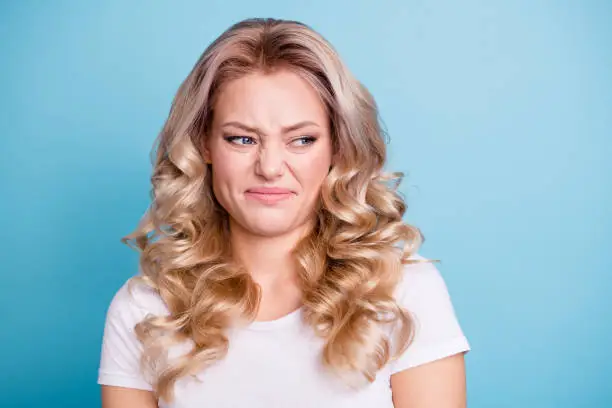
[269,131]
[272,131]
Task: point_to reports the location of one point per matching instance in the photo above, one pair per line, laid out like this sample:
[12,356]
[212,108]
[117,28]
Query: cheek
[229,171]
[313,171]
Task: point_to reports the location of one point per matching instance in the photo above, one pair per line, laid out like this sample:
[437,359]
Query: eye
[304,141]
[240,140]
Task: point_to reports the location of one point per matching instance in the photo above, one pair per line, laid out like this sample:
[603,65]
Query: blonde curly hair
[350,262]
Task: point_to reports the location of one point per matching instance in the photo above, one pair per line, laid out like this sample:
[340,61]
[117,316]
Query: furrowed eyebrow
[258,131]
[298,125]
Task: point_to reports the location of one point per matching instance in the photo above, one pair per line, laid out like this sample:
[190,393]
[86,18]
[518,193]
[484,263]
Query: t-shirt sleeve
[423,292]
[121,349]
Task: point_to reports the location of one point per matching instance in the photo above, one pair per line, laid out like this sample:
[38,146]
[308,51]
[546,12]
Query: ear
[206,152]
[334,159]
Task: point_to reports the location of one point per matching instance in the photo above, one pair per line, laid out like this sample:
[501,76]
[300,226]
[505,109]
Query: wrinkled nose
[270,162]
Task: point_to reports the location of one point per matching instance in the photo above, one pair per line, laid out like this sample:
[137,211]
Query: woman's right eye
[240,140]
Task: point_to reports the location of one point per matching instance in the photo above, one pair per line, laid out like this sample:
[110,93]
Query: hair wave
[351,261]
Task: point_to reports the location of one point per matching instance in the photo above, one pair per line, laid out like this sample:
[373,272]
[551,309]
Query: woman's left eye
[304,141]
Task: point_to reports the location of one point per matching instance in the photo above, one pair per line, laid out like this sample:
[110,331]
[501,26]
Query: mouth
[269,196]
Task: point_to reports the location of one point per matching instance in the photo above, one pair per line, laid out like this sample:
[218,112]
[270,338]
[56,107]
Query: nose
[270,161]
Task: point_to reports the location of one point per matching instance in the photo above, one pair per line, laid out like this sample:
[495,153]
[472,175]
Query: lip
[269,190]
[269,195]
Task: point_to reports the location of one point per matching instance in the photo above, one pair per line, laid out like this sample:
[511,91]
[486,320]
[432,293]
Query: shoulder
[418,277]
[121,349]
[423,293]
[137,299]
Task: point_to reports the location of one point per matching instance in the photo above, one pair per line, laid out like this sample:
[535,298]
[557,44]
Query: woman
[276,270]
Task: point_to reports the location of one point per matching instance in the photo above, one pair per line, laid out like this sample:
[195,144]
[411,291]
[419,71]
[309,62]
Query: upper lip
[269,190]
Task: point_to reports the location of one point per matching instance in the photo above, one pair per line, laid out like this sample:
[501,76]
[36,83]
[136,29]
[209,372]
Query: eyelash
[231,139]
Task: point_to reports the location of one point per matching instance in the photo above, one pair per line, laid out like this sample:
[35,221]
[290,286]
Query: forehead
[271,100]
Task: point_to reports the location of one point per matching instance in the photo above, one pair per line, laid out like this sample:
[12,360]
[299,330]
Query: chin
[269,230]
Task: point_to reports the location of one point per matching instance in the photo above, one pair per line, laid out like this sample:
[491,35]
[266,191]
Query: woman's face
[270,148]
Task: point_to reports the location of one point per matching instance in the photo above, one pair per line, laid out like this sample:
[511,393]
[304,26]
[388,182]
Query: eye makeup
[235,140]
[302,141]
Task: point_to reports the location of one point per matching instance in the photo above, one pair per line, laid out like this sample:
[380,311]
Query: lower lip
[269,198]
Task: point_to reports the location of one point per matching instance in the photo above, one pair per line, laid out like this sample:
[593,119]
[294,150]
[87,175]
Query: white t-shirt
[277,363]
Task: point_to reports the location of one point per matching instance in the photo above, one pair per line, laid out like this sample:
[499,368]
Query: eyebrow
[285,129]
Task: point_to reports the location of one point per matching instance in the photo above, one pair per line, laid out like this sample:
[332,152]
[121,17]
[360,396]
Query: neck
[267,258]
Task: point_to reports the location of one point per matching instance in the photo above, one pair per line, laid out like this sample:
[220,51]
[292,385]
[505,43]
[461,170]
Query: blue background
[499,113]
